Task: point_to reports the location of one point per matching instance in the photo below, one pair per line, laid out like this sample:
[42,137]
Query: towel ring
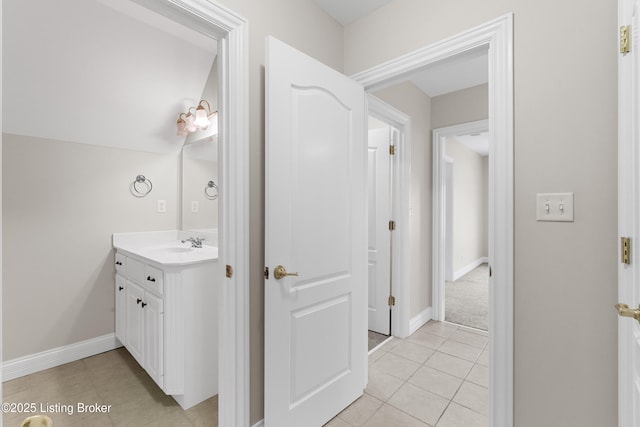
[140,179]
[209,189]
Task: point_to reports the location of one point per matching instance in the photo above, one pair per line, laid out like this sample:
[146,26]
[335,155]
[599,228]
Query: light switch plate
[554,207]
[194,206]
[162,206]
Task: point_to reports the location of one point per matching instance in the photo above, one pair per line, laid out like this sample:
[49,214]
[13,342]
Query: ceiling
[478,142]
[110,73]
[345,12]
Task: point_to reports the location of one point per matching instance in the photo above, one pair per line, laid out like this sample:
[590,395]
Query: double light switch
[554,207]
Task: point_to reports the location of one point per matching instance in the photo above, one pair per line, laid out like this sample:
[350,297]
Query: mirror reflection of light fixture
[200,119]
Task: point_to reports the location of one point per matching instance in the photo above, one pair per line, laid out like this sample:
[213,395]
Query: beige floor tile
[473,397]
[395,365]
[439,328]
[449,364]
[479,375]
[376,355]
[437,382]
[204,414]
[427,339]
[458,416]
[419,403]
[15,386]
[411,351]
[484,358]
[337,422]
[388,416]
[469,338]
[382,385]
[458,349]
[361,410]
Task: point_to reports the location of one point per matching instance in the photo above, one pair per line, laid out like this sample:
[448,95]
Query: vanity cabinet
[164,319]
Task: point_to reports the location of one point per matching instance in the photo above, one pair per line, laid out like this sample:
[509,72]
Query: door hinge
[266,273]
[392,149]
[625,39]
[229,271]
[392,300]
[625,250]
[392,225]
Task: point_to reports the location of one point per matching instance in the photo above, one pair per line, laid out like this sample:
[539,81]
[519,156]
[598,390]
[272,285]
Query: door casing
[497,36]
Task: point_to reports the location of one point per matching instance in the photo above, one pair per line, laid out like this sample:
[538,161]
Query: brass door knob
[625,311]
[279,272]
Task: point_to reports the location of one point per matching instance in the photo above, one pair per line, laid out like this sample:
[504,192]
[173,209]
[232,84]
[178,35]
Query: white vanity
[166,311]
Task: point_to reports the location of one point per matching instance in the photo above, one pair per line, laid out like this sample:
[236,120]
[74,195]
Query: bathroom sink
[176,250]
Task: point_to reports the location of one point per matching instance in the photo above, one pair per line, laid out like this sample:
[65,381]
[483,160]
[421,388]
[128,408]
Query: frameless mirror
[199,185]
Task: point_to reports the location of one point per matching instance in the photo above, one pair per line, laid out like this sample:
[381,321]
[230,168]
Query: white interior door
[629,219]
[379,209]
[315,227]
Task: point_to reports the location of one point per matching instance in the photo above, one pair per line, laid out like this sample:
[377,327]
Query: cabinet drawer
[121,263]
[135,270]
[153,279]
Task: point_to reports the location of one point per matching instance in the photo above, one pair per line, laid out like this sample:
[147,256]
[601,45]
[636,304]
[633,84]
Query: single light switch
[162,206]
[194,206]
[554,207]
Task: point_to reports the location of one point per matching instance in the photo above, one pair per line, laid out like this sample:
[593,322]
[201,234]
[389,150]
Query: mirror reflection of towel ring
[211,190]
[141,192]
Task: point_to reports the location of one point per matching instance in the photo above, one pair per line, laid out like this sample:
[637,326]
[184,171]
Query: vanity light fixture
[200,118]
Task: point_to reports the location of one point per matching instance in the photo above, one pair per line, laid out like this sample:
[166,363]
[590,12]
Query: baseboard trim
[420,319]
[26,365]
[259,424]
[468,268]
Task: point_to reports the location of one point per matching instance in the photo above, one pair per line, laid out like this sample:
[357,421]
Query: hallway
[438,377]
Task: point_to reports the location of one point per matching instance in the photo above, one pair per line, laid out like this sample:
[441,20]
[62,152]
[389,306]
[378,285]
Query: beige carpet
[467,299]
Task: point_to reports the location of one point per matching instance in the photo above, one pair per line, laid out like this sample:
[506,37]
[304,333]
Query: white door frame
[497,35]
[231,31]
[439,206]
[401,181]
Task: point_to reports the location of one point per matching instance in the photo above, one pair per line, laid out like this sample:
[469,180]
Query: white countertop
[163,248]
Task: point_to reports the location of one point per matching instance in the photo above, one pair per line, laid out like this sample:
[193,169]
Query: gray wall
[565,140]
[61,203]
[470,192]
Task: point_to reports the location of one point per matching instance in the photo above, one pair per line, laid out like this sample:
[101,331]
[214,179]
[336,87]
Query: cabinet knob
[118,263]
[138,301]
[120,288]
[151,279]
[144,304]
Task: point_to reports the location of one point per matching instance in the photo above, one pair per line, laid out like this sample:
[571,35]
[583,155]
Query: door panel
[629,216]
[315,226]
[379,210]
[134,330]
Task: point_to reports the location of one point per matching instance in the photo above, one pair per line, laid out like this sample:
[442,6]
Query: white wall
[463,106]
[565,131]
[470,219]
[407,98]
[61,203]
[196,173]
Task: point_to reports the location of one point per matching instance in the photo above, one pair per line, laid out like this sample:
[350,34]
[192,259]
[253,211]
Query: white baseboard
[420,319]
[26,365]
[468,268]
[259,424]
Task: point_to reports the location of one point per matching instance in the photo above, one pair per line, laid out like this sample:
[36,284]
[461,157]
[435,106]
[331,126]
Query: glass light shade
[190,122]
[202,121]
[182,127]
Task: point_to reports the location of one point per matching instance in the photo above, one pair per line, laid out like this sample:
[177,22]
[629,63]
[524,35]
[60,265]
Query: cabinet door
[134,322]
[153,318]
[120,310]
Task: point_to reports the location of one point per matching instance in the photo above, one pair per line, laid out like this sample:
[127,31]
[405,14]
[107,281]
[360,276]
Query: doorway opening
[460,290]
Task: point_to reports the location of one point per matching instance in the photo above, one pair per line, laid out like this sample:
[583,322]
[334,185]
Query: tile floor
[112,378]
[438,377]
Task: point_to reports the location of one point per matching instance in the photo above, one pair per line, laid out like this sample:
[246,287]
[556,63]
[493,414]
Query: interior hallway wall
[303,25]
[462,106]
[565,140]
[469,206]
[409,99]
[62,201]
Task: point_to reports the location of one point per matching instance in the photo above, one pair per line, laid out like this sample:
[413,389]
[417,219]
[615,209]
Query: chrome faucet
[196,242]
